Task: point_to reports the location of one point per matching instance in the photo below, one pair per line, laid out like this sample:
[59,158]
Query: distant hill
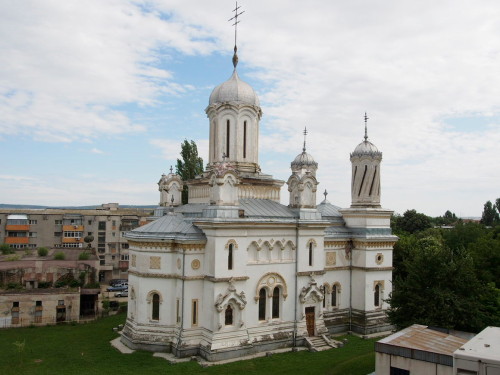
[35,207]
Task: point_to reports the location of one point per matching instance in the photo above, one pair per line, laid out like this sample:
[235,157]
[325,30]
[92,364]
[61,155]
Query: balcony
[17,240]
[73,228]
[72,240]
[17,227]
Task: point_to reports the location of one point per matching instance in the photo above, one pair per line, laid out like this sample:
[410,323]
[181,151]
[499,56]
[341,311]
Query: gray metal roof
[171,227]
[265,208]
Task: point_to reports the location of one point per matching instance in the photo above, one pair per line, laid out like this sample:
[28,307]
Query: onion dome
[234,90]
[366,148]
[304,160]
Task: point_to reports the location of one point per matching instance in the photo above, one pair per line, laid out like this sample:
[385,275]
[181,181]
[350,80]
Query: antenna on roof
[235,24]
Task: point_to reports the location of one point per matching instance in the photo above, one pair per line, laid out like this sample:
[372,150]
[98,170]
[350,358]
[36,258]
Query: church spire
[235,24]
[305,135]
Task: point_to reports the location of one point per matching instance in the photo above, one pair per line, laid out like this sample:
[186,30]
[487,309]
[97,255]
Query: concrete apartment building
[67,228]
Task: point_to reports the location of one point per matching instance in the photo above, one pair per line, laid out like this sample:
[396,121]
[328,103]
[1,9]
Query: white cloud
[96,151]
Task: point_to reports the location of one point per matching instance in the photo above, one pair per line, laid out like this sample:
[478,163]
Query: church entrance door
[310,320]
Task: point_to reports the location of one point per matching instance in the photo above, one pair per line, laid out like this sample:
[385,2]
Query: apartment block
[68,228]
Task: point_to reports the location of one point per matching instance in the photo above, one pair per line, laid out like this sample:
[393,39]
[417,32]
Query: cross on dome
[366,131]
[305,135]
[235,24]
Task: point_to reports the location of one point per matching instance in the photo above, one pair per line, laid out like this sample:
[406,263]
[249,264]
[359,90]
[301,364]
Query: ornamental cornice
[310,273]
[373,269]
[170,245]
[340,268]
[373,244]
[337,244]
[226,279]
[165,276]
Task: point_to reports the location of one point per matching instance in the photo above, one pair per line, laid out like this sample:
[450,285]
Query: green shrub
[59,255]
[44,284]
[92,286]
[13,285]
[12,258]
[84,256]
[43,251]
[5,249]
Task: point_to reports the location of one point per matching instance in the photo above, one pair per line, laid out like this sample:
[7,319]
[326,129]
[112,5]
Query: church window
[155,313]
[373,181]
[262,304]
[244,139]
[276,303]
[228,319]
[227,138]
[230,257]
[324,300]
[194,315]
[177,309]
[376,295]
[310,253]
[334,296]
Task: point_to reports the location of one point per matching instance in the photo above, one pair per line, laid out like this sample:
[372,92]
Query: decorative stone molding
[230,295]
[134,260]
[225,279]
[340,268]
[311,292]
[373,244]
[373,269]
[149,297]
[168,245]
[335,244]
[310,273]
[233,242]
[379,282]
[155,263]
[195,264]
[269,281]
[379,258]
[179,263]
[331,258]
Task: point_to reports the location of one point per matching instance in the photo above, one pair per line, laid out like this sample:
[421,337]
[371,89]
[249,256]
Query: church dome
[304,159]
[234,90]
[366,148]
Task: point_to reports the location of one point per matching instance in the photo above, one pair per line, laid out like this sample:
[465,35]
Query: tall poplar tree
[190,166]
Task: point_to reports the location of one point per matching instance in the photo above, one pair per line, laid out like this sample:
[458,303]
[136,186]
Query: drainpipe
[182,299]
[351,247]
[296,282]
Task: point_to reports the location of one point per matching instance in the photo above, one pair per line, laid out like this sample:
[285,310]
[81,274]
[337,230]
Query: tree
[490,215]
[411,222]
[190,166]
[439,287]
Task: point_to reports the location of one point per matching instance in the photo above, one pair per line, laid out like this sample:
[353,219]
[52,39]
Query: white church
[235,272]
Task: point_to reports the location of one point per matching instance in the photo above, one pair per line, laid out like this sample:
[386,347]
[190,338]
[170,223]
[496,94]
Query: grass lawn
[85,349]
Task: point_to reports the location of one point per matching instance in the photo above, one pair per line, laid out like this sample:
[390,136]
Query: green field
[85,349]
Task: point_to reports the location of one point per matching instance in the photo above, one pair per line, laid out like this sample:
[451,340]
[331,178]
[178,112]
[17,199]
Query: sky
[96,96]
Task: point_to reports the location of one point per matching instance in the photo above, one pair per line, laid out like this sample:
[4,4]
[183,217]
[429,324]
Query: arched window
[334,296]
[155,313]
[228,320]
[230,257]
[276,303]
[310,253]
[262,304]
[227,138]
[376,295]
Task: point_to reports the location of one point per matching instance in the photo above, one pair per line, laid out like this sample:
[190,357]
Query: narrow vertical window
[376,295]
[227,138]
[324,299]
[177,305]
[362,180]
[194,316]
[334,296]
[228,318]
[262,304]
[276,303]
[244,139]
[155,313]
[310,253]
[230,257]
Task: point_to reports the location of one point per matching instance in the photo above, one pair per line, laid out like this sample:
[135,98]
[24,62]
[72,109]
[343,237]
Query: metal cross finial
[305,134]
[171,169]
[235,24]
[366,131]
[325,194]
